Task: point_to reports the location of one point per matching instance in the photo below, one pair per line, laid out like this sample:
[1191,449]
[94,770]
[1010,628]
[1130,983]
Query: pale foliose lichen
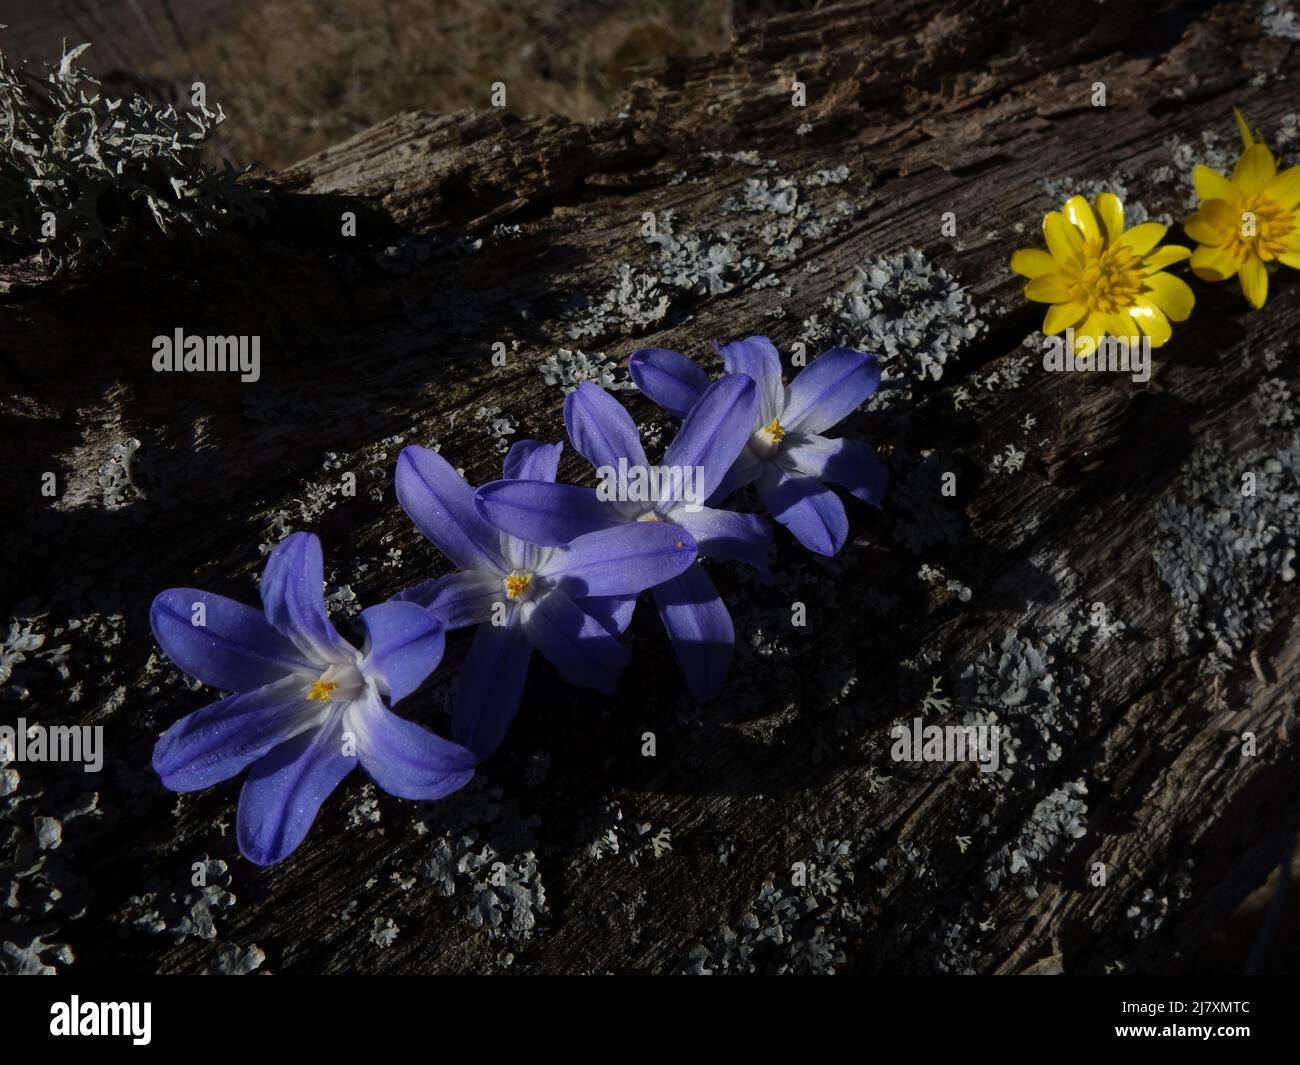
[1227,536]
[566,370]
[1118,183]
[1277,20]
[912,315]
[608,833]
[183,914]
[81,173]
[798,923]
[486,850]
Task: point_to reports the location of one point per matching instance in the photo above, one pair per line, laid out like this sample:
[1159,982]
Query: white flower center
[340,683]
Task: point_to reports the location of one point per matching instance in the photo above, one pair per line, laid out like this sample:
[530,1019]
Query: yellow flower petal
[1112,215]
[1063,240]
[1078,212]
[1062,315]
[1284,190]
[1088,335]
[1290,255]
[1199,227]
[1048,288]
[1226,217]
[1254,282]
[1121,325]
[1030,262]
[1172,295]
[1254,170]
[1152,321]
[1211,185]
[1212,264]
[1164,256]
[1246,138]
[1141,239]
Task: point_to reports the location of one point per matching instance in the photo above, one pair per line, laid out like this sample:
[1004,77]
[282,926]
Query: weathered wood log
[1099,585]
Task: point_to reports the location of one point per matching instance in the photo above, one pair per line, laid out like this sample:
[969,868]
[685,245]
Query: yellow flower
[1102,279]
[1247,222]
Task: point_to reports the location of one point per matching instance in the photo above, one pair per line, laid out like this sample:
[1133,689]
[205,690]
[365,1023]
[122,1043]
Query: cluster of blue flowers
[541,566]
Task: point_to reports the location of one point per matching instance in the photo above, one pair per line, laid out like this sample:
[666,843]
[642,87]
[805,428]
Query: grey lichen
[1225,535]
[383,933]
[1055,820]
[1118,182]
[486,850]
[911,314]
[566,370]
[233,960]
[797,923]
[1279,21]
[81,173]
[498,426]
[182,914]
[608,833]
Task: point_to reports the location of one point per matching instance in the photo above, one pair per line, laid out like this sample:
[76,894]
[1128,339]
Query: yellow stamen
[1268,235]
[648,517]
[1105,278]
[775,430]
[517,583]
[320,691]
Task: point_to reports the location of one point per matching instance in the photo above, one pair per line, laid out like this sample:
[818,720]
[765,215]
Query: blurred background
[297,75]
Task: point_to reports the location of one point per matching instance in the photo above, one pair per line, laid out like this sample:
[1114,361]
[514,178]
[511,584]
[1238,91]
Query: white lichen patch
[911,314]
[797,923]
[485,851]
[566,369]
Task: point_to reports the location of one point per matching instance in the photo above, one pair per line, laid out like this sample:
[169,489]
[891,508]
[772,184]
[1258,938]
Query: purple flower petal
[540,512]
[404,644]
[670,379]
[489,687]
[700,629]
[575,643]
[829,389]
[406,760]
[612,611]
[716,430]
[285,789]
[810,510]
[458,599]
[531,460]
[600,427]
[628,558]
[758,358]
[441,503]
[235,648]
[293,595]
[225,737]
[850,463]
[747,469]
[728,536]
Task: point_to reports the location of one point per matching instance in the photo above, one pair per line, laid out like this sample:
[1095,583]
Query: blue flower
[569,601]
[308,705]
[712,436]
[786,453]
